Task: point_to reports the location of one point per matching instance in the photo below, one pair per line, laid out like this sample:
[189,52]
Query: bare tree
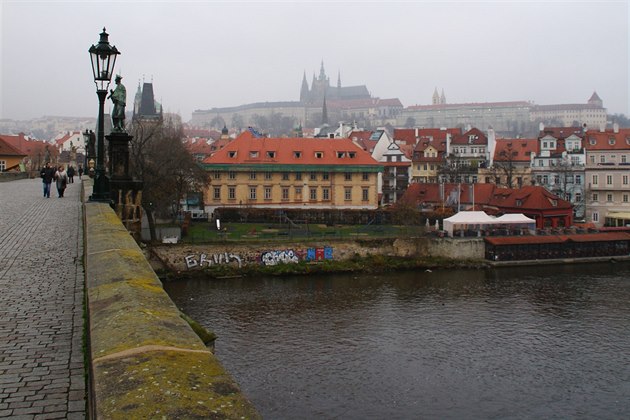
[504,167]
[167,169]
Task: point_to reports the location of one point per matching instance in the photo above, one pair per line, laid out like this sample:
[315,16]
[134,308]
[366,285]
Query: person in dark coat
[70,173]
[47,174]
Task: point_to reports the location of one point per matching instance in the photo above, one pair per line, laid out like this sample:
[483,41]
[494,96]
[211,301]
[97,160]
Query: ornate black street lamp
[103,58]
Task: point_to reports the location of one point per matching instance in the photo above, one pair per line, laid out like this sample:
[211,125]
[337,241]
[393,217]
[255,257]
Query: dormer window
[297,155]
[519,203]
[592,141]
[232,154]
[554,203]
[352,155]
[341,155]
[611,141]
[253,154]
[271,155]
[319,155]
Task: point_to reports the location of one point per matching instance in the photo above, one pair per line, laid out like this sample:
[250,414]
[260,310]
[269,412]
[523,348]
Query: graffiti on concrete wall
[318,254]
[214,259]
[285,256]
[268,258]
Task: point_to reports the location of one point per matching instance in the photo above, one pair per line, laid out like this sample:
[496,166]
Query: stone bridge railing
[145,360]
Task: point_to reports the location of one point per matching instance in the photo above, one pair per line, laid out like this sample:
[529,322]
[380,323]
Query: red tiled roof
[488,196]
[247,149]
[561,132]
[24,145]
[526,239]
[426,135]
[607,140]
[7,150]
[479,137]
[532,197]
[519,150]
[362,138]
[418,193]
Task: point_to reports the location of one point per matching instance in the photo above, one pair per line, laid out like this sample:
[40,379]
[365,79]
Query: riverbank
[367,264]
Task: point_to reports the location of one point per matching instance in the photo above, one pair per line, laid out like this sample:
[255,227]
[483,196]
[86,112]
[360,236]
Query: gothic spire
[322,72]
[304,90]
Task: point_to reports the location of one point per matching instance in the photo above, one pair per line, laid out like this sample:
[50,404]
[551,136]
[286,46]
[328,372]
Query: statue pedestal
[125,193]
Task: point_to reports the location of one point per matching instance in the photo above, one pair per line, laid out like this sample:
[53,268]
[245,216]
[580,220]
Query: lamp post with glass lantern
[103,56]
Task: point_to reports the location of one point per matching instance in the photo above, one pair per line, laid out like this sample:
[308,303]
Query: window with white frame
[325,194]
[347,193]
[217,193]
[252,193]
[313,194]
[595,216]
[267,193]
[365,194]
[232,193]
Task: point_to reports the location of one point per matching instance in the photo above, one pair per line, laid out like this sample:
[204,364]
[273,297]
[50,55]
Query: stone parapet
[146,361]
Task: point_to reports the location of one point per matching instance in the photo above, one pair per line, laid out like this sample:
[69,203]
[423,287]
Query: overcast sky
[204,54]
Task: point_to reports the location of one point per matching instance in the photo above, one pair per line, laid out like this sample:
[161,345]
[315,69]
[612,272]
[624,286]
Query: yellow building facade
[291,173]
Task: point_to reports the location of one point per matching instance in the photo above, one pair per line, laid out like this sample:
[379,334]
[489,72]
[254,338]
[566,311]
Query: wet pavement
[42,373]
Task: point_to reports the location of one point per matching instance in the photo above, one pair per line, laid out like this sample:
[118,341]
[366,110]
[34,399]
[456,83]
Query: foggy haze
[206,54]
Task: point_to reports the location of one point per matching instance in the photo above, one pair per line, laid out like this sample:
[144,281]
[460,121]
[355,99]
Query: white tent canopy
[513,218]
[478,220]
[467,220]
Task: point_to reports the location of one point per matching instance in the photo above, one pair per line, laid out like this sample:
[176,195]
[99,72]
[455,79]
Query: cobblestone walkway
[41,302]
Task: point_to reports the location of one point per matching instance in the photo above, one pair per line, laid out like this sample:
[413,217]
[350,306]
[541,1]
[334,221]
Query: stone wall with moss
[146,361]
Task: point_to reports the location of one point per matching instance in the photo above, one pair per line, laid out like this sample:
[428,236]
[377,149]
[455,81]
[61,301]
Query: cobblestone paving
[41,302]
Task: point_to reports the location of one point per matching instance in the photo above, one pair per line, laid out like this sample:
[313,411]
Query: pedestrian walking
[47,174]
[80,172]
[70,172]
[61,178]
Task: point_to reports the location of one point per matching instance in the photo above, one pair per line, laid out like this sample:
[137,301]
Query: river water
[530,342]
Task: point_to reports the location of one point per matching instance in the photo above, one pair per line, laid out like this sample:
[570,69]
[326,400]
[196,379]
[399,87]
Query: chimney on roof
[602,128]
[416,132]
[541,127]
[616,128]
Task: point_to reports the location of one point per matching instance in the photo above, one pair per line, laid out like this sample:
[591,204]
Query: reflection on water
[530,342]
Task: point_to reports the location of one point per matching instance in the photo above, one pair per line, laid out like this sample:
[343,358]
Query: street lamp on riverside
[103,58]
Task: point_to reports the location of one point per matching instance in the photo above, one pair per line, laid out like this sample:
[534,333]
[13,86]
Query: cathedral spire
[322,72]
[339,79]
[436,97]
[324,112]
[304,90]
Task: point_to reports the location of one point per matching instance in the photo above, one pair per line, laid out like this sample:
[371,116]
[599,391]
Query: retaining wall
[184,257]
